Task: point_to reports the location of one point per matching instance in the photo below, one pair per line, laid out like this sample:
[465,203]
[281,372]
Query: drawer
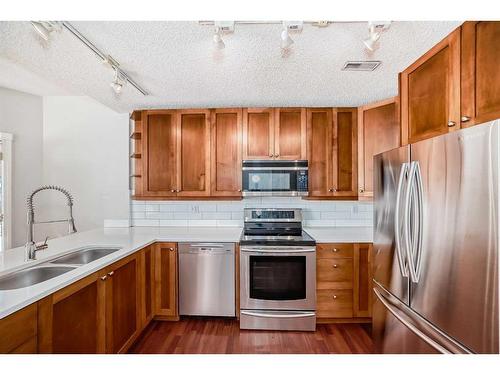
[334,303]
[18,328]
[334,250]
[334,273]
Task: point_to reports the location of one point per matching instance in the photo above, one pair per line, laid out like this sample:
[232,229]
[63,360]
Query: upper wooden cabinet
[226,152]
[159,153]
[378,131]
[345,152]
[430,92]
[480,79]
[332,152]
[278,133]
[290,133]
[193,152]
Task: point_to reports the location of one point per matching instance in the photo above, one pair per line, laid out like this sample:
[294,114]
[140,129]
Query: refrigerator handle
[411,247]
[397,230]
[420,213]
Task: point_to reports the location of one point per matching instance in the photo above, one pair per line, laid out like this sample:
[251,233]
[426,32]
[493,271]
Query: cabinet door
[193,153]
[258,133]
[319,151]
[122,304]
[72,320]
[226,148]
[159,153]
[345,152]
[18,331]
[165,280]
[290,133]
[148,274]
[378,131]
[430,92]
[362,280]
[480,85]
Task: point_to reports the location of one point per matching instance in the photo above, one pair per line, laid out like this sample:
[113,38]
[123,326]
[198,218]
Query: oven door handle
[279,250]
[277,315]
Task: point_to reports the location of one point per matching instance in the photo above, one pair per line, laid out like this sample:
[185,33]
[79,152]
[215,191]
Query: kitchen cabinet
[332,152]
[73,319]
[146,284]
[430,92]
[226,152]
[343,286]
[290,134]
[480,78]
[378,131]
[159,154]
[18,331]
[165,285]
[193,153]
[123,305]
[362,296]
[345,152]
[97,314]
[258,133]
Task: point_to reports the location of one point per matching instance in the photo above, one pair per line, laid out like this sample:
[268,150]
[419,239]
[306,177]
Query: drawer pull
[103,278]
[111,273]
[335,250]
[334,296]
[335,266]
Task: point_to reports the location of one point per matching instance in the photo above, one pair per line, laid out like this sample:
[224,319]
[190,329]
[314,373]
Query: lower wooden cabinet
[343,281]
[165,281]
[18,331]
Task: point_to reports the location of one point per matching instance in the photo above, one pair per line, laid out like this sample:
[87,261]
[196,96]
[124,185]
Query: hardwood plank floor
[223,336]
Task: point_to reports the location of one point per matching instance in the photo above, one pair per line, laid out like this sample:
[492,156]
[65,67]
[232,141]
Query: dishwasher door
[206,279]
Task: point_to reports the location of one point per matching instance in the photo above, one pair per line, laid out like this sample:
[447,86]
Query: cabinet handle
[172,191]
[177,191]
[271,156]
[277,155]
[361,190]
[451,124]
[335,250]
[465,118]
[103,278]
[171,248]
[239,190]
[330,190]
[111,273]
[335,266]
[334,296]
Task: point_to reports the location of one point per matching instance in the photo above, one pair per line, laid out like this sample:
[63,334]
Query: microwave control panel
[302,181]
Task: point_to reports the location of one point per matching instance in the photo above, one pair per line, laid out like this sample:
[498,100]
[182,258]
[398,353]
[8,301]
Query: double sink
[53,268]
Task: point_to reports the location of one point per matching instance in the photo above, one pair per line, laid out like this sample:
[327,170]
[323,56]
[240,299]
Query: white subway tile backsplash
[230,213]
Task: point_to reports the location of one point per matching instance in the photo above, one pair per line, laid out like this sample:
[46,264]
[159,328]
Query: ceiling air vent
[361,65]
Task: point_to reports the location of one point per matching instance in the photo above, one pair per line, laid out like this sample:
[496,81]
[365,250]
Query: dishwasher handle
[206,248]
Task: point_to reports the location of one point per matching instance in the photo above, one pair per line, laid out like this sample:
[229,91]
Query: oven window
[278,277]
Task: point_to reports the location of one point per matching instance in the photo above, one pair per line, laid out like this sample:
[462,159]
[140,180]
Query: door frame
[6,155]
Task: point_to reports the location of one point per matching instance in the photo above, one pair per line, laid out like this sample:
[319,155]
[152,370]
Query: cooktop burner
[274,227]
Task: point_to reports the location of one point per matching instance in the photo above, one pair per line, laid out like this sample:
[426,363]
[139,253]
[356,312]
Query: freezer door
[399,330]
[390,179]
[455,268]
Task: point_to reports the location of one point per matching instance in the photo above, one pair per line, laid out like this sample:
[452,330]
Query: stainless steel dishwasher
[206,279]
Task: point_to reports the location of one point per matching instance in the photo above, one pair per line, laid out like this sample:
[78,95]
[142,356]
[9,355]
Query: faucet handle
[44,245]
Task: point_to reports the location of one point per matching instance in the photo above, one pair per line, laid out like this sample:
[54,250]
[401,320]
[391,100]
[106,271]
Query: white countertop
[340,234]
[130,240]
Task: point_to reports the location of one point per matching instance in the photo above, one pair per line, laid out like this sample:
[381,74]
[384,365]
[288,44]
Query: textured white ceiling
[176,63]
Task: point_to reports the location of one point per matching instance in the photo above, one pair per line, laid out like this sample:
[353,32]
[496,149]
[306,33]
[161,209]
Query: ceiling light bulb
[41,30]
[286,41]
[117,83]
[217,39]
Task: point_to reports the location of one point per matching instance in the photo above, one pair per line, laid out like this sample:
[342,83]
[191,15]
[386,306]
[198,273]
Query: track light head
[375,29]
[286,40]
[45,28]
[118,82]
[217,39]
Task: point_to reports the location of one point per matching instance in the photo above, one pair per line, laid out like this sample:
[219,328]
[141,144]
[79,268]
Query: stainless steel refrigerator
[436,244]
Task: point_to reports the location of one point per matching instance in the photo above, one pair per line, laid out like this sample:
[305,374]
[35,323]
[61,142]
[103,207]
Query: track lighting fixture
[45,28]
[217,39]
[286,40]
[118,82]
[375,29]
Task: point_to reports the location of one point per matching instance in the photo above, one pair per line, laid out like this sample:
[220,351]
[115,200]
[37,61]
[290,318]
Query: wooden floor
[219,336]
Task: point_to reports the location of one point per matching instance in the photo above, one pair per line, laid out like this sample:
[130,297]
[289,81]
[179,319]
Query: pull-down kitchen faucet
[31,247]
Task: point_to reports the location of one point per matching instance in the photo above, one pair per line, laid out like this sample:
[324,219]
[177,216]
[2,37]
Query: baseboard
[167,318]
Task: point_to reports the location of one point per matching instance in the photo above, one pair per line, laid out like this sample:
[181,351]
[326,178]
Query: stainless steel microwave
[275,178]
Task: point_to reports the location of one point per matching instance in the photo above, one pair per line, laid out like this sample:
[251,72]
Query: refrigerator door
[455,264]
[390,180]
[399,330]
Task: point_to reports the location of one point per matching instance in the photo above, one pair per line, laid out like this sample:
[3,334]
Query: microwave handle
[269,249]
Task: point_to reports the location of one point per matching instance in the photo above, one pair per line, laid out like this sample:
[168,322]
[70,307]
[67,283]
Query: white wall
[85,150]
[21,114]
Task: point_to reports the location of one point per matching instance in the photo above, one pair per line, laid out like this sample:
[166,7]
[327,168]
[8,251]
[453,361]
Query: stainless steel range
[278,271]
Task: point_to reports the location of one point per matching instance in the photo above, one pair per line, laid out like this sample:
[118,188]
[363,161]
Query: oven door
[278,278]
[261,181]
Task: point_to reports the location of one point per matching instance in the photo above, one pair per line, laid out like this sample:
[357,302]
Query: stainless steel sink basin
[31,276]
[85,256]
